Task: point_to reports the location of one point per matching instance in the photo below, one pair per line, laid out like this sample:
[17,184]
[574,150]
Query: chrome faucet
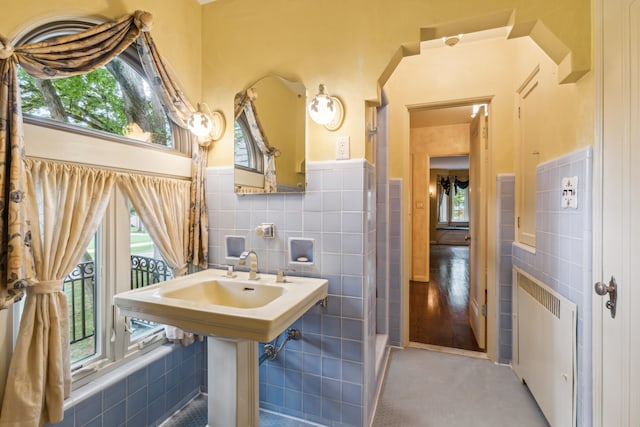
[253,266]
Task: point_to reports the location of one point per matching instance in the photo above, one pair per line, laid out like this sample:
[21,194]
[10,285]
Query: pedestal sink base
[233,380]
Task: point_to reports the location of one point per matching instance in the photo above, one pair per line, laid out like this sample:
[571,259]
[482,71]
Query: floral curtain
[38,385]
[179,109]
[67,204]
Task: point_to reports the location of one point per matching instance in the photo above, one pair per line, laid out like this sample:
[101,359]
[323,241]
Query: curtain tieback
[143,20]
[180,271]
[6,49]
[45,287]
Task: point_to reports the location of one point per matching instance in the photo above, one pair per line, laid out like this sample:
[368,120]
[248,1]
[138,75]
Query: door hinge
[518,112]
[484,310]
[518,222]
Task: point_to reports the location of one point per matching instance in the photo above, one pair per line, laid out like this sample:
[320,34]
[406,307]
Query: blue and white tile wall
[562,257]
[395,262]
[144,393]
[505,190]
[325,376]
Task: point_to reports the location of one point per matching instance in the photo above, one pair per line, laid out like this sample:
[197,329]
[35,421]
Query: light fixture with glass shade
[206,125]
[326,110]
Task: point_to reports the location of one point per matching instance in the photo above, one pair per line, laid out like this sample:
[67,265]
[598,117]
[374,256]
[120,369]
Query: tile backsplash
[327,376]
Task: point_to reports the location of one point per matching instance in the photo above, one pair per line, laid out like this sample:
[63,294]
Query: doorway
[448,288]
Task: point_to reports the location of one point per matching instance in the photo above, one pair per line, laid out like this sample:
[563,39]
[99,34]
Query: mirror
[269,137]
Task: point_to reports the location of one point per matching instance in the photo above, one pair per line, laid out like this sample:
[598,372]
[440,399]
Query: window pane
[82,296]
[147,268]
[459,207]
[240,147]
[114,98]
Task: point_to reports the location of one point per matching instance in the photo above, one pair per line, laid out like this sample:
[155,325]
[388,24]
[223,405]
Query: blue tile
[352,350]
[156,389]
[88,409]
[352,372]
[331,409]
[172,399]
[331,326]
[352,329]
[96,422]
[293,400]
[275,395]
[136,381]
[331,347]
[275,375]
[311,323]
[352,307]
[136,402]
[311,384]
[156,369]
[114,394]
[311,343]
[115,416]
[155,411]
[293,379]
[311,404]
[292,360]
[311,364]
[351,415]
[331,367]
[138,420]
[352,393]
[330,388]
[352,286]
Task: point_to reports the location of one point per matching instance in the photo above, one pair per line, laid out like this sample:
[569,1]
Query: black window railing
[80,287]
[148,271]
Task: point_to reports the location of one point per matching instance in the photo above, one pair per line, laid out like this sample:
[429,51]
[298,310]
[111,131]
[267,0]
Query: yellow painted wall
[489,70]
[348,45]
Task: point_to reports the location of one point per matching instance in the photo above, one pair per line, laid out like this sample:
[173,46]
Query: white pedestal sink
[235,314]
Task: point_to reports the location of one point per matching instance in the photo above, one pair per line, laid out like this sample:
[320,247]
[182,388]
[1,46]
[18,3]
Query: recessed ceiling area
[440,116]
[449,162]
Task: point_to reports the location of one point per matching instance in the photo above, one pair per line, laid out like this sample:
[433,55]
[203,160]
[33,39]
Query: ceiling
[441,116]
[450,162]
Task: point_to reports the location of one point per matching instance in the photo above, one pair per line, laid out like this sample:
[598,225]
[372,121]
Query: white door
[617,225]
[478,228]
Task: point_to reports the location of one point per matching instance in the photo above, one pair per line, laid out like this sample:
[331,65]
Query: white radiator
[544,347]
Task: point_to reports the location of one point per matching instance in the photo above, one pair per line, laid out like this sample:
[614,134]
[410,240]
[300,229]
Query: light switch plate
[342,148]
[570,192]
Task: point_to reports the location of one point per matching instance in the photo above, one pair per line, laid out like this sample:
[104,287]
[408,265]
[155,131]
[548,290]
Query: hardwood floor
[439,309]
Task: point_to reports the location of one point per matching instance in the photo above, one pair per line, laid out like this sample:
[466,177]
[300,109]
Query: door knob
[611,289]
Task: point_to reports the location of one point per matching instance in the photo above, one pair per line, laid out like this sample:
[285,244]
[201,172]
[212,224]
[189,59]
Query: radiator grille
[544,297]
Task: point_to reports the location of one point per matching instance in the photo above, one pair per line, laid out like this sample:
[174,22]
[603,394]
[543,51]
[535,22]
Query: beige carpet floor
[427,388]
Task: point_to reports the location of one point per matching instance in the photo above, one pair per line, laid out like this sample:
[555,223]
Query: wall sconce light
[206,125]
[326,110]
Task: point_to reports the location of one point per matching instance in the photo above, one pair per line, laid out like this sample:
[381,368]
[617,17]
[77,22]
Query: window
[121,255]
[115,99]
[246,152]
[453,201]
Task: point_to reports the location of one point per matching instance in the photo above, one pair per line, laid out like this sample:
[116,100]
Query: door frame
[491,327]
[597,236]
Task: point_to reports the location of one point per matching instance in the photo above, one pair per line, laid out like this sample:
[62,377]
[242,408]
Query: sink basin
[209,303]
[227,293]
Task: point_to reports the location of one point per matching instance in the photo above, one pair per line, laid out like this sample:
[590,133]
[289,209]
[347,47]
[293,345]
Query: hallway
[439,309]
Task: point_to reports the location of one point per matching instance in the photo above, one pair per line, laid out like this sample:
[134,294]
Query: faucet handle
[281,278]
[230,272]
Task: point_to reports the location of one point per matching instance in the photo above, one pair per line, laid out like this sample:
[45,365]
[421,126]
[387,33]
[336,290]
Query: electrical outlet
[570,192]
[342,148]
